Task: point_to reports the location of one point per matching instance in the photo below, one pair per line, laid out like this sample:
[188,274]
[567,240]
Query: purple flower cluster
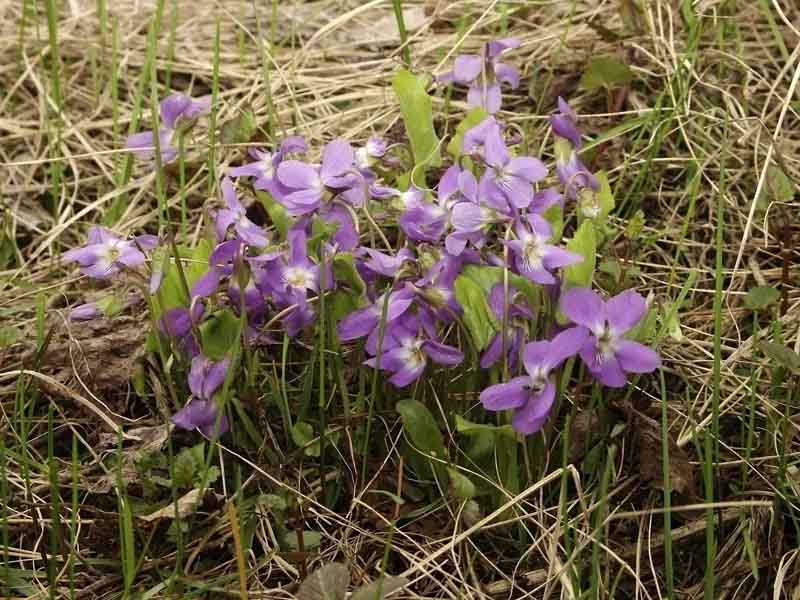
[489,211]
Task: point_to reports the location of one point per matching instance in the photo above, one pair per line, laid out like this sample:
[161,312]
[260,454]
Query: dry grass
[331,76]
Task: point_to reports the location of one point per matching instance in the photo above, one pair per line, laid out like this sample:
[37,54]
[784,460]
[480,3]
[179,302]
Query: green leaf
[555,216]
[415,105]
[785,357]
[303,436]
[487,277]
[219,334]
[311,540]
[478,317]
[605,72]
[277,214]
[171,294]
[672,322]
[780,185]
[186,465]
[240,129]
[344,271]
[760,297]
[584,243]
[473,118]
[604,197]
[110,305]
[378,590]
[9,335]
[460,485]
[421,429]
[469,428]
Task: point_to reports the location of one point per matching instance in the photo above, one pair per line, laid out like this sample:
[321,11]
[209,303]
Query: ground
[700,148]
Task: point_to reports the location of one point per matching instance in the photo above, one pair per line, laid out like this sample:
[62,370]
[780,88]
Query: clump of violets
[403,265]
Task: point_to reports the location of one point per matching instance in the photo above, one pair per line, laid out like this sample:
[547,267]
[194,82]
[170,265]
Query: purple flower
[337,213]
[267,163]
[534,257]
[532,395]
[575,176]
[202,415]
[509,178]
[484,73]
[178,322]
[366,321]
[606,353]
[564,123]
[235,215]
[206,376]
[517,316]
[366,156]
[379,263]
[173,111]
[407,349]
[105,254]
[85,312]
[306,184]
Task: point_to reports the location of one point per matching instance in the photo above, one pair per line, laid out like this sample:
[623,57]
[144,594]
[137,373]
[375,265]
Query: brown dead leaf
[585,432]
[648,445]
[186,505]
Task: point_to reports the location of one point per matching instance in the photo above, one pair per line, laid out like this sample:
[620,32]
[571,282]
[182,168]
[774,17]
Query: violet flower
[365,321]
[534,257]
[174,111]
[105,255]
[517,315]
[406,351]
[507,177]
[531,396]
[575,176]
[565,123]
[235,215]
[367,155]
[484,73]
[205,378]
[380,263]
[267,163]
[306,184]
[85,312]
[607,354]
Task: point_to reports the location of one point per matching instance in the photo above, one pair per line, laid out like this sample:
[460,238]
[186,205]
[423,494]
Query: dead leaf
[378,590]
[329,582]
[648,444]
[186,505]
[585,432]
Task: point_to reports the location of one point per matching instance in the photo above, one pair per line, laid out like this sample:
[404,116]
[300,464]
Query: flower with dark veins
[105,255]
[234,215]
[535,258]
[607,354]
[531,396]
[175,112]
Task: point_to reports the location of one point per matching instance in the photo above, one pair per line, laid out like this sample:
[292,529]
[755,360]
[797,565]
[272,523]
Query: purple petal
[85,312]
[337,158]
[466,68]
[467,216]
[130,256]
[495,150]
[172,108]
[564,127]
[206,285]
[637,358]
[530,418]
[556,257]
[545,199]
[625,310]
[85,256]
[583,307]
[299,175]
[251,234]
[504,396]
[376,146]
[302,202]
[224,219]
[195,414]
[210,430]
[251,170]
[537,356]
[507,74]
[293,143]
[146,242]
[497,47]
[214,377]
[493,352]
[357,324]
[442,354]
[407,375]
[566,344]
[528,168]
[229,194]
[176,322]
[141,143]
[224,253]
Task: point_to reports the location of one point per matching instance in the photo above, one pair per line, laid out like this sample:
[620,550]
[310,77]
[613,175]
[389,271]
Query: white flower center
[502,178]
[607,342]
[412,354]
[533,252]
[363,160]
[267,168]
[299,277]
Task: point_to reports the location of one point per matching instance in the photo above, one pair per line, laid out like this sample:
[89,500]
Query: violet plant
[470,270]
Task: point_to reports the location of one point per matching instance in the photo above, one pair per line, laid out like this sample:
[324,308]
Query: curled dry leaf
[329,582]
[185,506]
[649,449]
